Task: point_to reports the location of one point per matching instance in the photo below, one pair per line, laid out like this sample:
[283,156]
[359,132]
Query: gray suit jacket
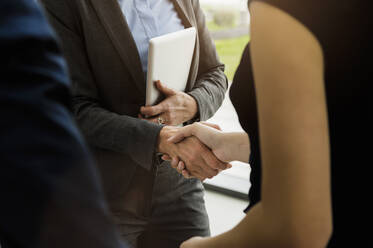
[109,84]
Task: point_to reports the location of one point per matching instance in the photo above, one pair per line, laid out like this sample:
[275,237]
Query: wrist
[192,107]
[165,133]
[240,146]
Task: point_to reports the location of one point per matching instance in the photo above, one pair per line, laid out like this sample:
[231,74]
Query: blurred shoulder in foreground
[49,187]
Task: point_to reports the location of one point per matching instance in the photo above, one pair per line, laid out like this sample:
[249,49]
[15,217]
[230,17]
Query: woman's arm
[295,210]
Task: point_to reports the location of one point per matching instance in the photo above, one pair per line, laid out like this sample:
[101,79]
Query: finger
[203,171]
[175,162]
[177,138]
[213,162]
[156,120]
[209,172]
[153,110]
[216,126]
[195,163]
[165,157]
[181,134]
[164,89]
[194,170]
[181,166]
[182,169]
[186,174]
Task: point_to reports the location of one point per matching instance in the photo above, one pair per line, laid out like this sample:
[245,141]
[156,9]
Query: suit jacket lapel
[180,8]
[117,29]
[186,19]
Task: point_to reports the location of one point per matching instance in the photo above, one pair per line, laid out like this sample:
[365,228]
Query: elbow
[308,235]
[322,236]
[318,239]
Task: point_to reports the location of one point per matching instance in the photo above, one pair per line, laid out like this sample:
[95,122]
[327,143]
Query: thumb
[177,138]
[181,134]
[216,126]
[164,89]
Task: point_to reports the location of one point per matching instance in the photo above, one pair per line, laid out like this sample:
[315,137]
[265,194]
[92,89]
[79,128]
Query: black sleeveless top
[342,30]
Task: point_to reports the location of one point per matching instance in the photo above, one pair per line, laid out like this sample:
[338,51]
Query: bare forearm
[226,146]
[238,145]
[265,228]
[253,231]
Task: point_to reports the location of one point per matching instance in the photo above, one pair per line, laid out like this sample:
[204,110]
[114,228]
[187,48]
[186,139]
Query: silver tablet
[169,60]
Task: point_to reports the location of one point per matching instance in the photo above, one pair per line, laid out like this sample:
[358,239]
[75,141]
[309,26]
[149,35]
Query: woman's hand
[226,146]
[208,134]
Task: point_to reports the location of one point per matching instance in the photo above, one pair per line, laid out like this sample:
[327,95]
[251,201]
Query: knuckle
[180,102]
[194,160]
[167,106]
[191,167]
[195,124]
[210,174]
[200,150]
[219,165]
[192,155]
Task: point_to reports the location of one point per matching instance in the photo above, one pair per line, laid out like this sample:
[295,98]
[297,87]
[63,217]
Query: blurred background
[226,194]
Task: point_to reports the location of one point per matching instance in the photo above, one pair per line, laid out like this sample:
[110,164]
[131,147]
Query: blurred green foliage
[212,26]
[230,51]
[225,18]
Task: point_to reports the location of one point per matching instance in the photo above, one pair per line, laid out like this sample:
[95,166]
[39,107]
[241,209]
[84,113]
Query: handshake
[202,150]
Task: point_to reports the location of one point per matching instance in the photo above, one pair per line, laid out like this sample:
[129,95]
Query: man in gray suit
[105,43]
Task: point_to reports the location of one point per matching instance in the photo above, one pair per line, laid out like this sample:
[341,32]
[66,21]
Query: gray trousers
[162,210]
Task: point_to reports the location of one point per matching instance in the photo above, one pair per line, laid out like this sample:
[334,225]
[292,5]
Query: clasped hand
[225,146]
[190,156]
[193,157]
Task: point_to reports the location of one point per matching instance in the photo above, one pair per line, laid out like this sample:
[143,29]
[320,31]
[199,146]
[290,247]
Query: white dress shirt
[148,19]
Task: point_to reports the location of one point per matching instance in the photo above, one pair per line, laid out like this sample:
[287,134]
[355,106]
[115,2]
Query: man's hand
[164,145]
[227,147]
[177,108]
[199,161]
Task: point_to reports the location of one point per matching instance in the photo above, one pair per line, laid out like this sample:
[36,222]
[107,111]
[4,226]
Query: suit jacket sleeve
[211,85]
[49,188]
[103,128]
